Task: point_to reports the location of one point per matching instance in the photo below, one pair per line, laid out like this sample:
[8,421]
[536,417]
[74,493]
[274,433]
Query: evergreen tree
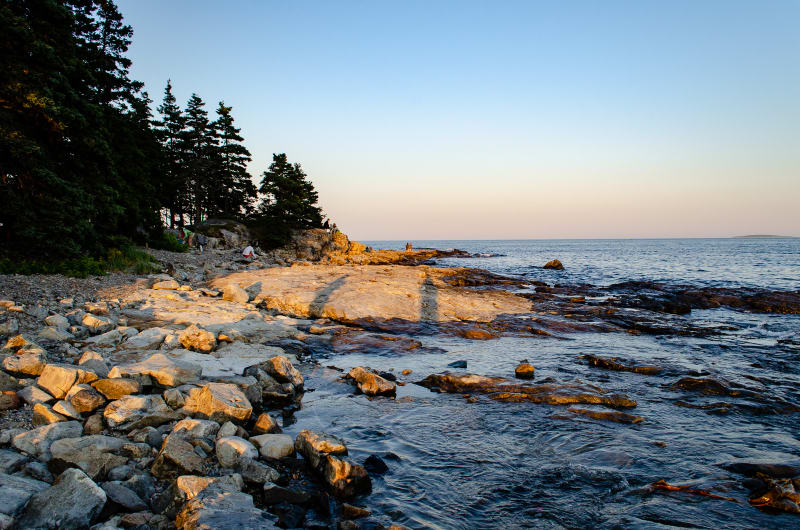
[199,144]
[231,191]
[169,131]
[289,203]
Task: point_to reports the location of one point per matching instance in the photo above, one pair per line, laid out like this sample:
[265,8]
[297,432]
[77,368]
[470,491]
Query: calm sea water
[455,464]
[772,263]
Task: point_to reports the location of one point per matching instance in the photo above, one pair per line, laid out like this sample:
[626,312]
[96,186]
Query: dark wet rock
[322,452]
[283,371]
[74,501]
[375,465]
[389,376]
[617,416]
[255,472]
[177,457]
[554,264]
[524,370]
[476,333]
[353,512]
[289,515]
[274,494]
[351,341]
[7,382]
[781,495]
[620,365]
[500,389]
[751,469]
[15,491]
[371,383]
[125,498]
[216,507]
[38,471]
[705,386]
[457,364]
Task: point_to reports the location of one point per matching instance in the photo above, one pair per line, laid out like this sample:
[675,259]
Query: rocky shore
[161,401]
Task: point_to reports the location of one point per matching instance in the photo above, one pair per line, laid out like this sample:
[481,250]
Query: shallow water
[520,465]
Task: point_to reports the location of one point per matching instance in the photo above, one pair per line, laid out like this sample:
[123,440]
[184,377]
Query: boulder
[315,445]
[554,264]
[234,293]
[92,454]
[344,477]
[97,325]
[231,448]
[274,445]
[11,461]
[15,491]
[86,400]
[168,285]
[191,428]
[9,327]
[524,370]
[74,501]
[134,412]
[27,364]
[283,371]
[33,395]
[9,400]
[223,509]
[59,378]
[66,409]
[197,339]
[371,383]
[117,388]
[8,382]
[57,321]
[124,497]
[255,472]
[149,339]
[220,402]
[165,370]
[54,334]
[174,398]
[189,486]
[44,415]
[274,494]
[107,339]
[176,457]
[37,442]
[265,424]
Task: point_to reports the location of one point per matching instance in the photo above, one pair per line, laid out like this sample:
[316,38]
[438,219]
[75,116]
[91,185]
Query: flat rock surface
[351,293]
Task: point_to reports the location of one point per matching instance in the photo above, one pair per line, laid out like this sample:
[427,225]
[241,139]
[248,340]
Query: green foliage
[78,267]
[290,202]
[168,241]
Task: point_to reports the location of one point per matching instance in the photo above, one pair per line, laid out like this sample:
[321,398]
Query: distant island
[763,236]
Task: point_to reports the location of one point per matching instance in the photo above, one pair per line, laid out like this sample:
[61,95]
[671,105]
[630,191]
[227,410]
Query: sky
[504,120]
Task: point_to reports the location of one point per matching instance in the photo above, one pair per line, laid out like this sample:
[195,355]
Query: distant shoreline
[764,236]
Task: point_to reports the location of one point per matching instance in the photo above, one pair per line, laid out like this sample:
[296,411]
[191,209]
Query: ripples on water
[516,465]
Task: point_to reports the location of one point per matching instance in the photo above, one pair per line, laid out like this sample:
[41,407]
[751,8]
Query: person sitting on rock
[327,224]
[248,253]
[188,236]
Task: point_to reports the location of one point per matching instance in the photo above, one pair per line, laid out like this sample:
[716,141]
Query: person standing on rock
[201,241]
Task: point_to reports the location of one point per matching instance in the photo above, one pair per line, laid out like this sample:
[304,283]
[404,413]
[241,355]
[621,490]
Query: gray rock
[274,445]
[120,473]
[228,429]
[96,324]
[11,461]
[38,471]
[231,448]
[220,508]
[37,442]
[9,327]
[123,496]
[8,383]
[166,370]
[66,409]
[74,501]
[57,321]
[255,472]
[15,492]
[177,457]
[54,334]
[149,339]
[33,395]
[107,339]
[133,412]
[174,398]
[191,428]
[220,402]
[93,454]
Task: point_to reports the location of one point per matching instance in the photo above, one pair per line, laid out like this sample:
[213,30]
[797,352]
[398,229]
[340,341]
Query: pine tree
[198,143]
[231,191]
[169,131]
[289,203]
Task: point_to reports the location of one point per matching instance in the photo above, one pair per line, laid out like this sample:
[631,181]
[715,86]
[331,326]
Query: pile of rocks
[171,423]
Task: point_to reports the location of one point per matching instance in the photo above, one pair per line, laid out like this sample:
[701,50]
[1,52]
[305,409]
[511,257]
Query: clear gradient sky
[504,120]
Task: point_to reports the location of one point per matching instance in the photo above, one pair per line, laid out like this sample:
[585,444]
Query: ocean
[486,464]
